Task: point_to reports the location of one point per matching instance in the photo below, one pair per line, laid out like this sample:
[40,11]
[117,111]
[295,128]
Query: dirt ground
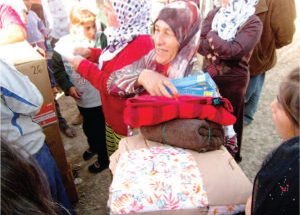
[259,138]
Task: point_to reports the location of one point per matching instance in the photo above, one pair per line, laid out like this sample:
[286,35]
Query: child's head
[24,188]
[285,108]
[84,20]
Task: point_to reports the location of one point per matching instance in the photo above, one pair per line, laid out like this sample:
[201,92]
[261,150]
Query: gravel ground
[259,138]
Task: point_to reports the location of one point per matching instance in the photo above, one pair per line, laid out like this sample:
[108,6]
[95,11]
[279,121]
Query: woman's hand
[75,61]
[84,52]
[74,93]
[156,84]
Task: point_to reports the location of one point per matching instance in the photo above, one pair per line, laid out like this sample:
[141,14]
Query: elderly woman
[176,38]
[176,34]
[128,40]
[228,36]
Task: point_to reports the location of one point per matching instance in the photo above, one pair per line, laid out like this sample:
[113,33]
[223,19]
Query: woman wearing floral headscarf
[128,40]
[228,36]
[176,36]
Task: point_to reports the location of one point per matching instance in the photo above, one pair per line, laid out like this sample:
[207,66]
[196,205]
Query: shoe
[69,132]
[231,145]
[238,158]
[88,155]
[245,123]
[96,167]
[77,120]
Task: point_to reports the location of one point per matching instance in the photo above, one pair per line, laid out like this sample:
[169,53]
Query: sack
[194,134]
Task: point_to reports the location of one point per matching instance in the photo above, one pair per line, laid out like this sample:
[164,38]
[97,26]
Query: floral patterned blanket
[168,179]
[155,179]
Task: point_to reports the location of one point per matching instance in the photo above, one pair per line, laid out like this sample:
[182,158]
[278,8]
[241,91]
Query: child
[82,33]
[276,185]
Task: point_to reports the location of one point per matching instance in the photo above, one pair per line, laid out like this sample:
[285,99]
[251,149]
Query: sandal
[96,167]
[88,155]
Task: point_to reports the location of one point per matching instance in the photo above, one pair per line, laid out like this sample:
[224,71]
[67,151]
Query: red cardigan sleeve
[95,54]
[91,72]
[134,51]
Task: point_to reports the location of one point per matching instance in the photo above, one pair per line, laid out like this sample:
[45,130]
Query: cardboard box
[32,64]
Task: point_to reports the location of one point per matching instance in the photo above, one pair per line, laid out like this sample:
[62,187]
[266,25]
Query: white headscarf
[228,20]
[134,19]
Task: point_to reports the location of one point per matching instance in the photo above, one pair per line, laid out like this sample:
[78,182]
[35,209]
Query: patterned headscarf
[228,20]
[184,19]
[134,19]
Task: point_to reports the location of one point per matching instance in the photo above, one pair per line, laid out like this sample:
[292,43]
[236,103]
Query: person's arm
[123,82]
[132,79]
[156,84]
[18,92]
[204,48]
[60,73]
[41,26]
[135,51]
[241,45]
[283,15]
[92,54]
[90,72]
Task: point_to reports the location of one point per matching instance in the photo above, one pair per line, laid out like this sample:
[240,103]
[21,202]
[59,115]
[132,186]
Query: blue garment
[48,165]
[252,97]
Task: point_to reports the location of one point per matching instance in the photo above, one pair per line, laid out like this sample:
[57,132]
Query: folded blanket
[194,134]
[152,110]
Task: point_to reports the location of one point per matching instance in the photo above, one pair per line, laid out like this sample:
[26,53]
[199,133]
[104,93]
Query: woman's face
[166,44]
[89,30]
[283,124]
[110,14]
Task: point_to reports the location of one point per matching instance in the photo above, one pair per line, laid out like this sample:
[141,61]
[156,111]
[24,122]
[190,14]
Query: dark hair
[288,96]
[24,187]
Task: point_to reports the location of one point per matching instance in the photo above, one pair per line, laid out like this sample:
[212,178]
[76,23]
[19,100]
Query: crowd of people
[125,55]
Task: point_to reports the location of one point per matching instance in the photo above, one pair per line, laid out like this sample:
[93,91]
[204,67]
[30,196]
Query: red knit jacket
[113,106]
